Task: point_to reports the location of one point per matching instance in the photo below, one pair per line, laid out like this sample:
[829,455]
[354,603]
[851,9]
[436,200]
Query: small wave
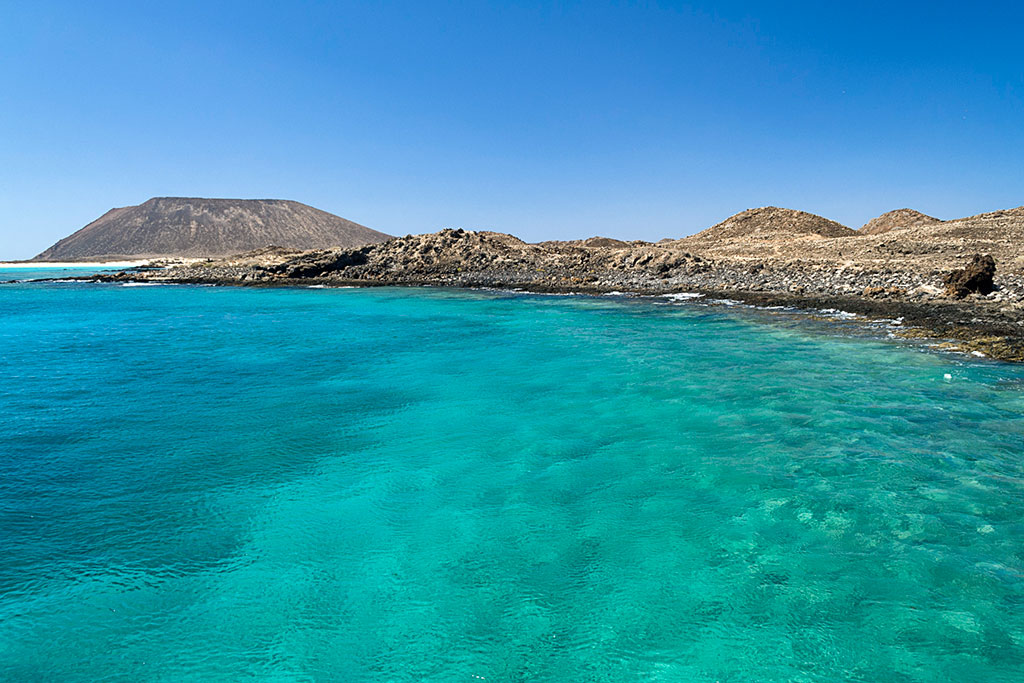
[144,284]
[683,296]
[520,290]
[554,293]
[837,313]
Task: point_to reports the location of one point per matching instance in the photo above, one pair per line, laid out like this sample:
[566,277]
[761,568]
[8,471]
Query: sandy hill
[771,222]
[900,218]
[183,226]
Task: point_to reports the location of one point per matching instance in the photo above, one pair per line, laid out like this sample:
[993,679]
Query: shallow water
[25,272]
[427,485]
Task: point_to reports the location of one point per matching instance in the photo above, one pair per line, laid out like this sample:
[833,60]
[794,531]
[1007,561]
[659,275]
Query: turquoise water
[205,483]
[47,272]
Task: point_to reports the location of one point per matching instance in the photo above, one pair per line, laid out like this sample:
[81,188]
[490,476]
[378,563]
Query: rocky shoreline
[805,271]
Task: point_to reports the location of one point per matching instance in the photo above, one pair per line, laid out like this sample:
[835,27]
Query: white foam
[683,296]
[553,293]
[836,313]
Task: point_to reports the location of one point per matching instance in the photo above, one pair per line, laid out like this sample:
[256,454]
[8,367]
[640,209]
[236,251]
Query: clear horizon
[545,121]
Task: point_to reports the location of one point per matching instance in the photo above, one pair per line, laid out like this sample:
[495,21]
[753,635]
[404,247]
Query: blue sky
[546,120]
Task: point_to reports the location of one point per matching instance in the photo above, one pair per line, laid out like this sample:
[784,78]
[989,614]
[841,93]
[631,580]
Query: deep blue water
[203,483]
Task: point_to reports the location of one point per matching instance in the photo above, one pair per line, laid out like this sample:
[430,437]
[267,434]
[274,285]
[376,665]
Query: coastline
[904,274]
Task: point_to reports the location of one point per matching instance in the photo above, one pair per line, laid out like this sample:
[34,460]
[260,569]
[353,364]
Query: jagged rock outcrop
[193,227]
[899,218]
[976,278]
[459,258]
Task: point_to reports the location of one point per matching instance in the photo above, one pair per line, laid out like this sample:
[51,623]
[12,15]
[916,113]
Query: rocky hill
[891,220]
[193,227]
[771,222]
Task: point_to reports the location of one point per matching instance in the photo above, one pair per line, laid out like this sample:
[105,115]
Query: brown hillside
[194,227]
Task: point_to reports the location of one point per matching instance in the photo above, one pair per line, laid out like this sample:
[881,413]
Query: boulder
[975,278]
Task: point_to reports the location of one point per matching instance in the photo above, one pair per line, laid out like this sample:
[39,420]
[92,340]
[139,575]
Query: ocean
[206,483]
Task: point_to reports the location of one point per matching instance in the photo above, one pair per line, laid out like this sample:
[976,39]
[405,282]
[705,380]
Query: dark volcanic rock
[320,263]
[975,278]
[190,227]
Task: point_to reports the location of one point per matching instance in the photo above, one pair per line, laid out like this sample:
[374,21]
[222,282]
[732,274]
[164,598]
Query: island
[958,281]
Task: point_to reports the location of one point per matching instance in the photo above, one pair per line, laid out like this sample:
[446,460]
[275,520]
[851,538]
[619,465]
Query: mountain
[900,218]
[771,222]
[195,227]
